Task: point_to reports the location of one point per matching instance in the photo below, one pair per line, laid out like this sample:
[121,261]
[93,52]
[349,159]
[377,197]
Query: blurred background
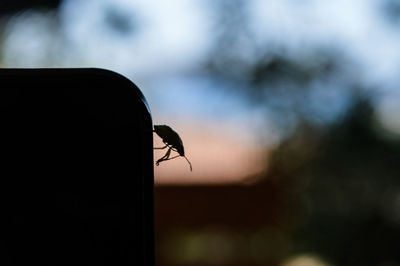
[288,110]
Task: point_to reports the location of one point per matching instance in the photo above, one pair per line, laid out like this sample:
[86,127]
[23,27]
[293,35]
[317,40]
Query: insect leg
[160,148]
[165,157]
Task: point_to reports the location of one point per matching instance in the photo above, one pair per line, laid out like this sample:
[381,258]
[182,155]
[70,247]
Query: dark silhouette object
[172,141]
[76,169]
[10,7]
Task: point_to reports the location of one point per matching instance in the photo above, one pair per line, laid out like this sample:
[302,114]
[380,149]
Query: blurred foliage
[314,84]
[391,9]
[347,180]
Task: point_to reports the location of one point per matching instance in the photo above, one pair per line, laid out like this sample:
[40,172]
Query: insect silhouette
[172,141]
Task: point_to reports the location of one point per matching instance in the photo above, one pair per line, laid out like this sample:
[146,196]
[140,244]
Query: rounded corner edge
[123,79]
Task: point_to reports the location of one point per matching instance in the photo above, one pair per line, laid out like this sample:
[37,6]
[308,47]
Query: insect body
[172,141]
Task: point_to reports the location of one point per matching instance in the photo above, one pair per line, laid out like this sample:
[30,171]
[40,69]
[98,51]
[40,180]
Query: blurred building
[222,224]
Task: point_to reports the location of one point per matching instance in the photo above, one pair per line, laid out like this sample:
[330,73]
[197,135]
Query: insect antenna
[188,162]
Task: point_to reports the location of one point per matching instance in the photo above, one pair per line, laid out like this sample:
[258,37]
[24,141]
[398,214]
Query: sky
[160,46]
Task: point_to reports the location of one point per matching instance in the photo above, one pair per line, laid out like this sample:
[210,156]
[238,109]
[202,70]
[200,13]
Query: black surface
[10,7]
[76,169]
